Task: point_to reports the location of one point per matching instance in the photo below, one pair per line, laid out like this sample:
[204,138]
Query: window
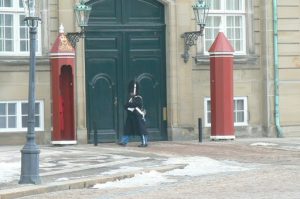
[14,114]
[227,16]
[14,34]
[240,111]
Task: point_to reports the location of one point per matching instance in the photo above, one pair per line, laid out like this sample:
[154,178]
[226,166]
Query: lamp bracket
[74,37]
[32,22]
[190,39]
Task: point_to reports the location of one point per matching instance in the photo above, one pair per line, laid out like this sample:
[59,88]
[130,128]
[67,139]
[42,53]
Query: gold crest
[64,44]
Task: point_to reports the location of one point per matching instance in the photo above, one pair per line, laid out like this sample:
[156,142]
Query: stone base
[182,134]
[82,137]
[222,137]
[64,142]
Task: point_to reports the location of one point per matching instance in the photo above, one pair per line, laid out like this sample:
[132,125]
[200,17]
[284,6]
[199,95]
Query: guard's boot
[124,140]
[122,144]
[144,141]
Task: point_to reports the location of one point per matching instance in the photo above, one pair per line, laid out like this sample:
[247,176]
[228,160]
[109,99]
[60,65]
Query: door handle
[115,101]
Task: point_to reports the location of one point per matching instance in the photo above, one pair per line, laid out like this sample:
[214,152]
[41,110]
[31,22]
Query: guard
[135,121]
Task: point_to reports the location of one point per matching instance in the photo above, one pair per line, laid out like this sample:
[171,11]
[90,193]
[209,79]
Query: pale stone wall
[248,78]
[187,83]
[266,53]
[289,68]
[288,35]
[184,128]
[14,86]
[53,21]
[289,84]
[14,73]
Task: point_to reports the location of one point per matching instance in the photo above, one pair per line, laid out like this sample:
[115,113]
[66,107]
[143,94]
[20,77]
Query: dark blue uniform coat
[135,123]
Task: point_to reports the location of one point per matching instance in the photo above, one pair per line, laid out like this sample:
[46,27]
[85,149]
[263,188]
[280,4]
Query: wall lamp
[190,38]
[82,13]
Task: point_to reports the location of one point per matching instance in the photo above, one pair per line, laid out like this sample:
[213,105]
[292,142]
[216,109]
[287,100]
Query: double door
[113,59]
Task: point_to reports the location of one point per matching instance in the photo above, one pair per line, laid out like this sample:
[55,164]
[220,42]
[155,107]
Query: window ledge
[13,63]
[240,61]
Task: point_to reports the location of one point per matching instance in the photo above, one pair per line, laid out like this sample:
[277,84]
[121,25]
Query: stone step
[291,131]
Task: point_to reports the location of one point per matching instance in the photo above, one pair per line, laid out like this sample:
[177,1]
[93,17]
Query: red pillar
[221,89]
[62,60]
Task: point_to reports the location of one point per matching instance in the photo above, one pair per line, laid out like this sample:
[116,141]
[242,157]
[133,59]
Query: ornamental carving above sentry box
[64,44]
[61,44]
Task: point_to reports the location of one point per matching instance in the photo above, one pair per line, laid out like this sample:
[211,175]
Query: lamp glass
[201,10]
[82,12]
[31,8]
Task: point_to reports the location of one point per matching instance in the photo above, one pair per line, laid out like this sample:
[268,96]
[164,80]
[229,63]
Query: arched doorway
[125,39]
[66,103]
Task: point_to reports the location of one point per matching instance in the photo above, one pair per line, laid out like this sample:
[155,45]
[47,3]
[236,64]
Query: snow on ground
[143,179]
[196,166]
[61,179]
[10,166]
[121,169]
[294,147]
[9,171]
[263,144]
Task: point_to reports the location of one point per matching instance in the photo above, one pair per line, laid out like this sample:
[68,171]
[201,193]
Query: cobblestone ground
[276,175]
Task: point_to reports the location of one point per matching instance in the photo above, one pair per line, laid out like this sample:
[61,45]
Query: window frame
[223,13]
[245,110]
[16,12]
[19,115]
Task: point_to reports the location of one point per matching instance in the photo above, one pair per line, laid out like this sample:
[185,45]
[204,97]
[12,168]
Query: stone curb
[78,183]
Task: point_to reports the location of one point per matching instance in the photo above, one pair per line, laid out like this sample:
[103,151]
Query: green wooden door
[125,40]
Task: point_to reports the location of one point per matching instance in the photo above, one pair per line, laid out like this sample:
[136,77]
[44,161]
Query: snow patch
[197,166]
[9,171]
[143,179]
[263,144]
[61,179]
[121,169]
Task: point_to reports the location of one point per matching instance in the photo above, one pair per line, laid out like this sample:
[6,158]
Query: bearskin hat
[134,86]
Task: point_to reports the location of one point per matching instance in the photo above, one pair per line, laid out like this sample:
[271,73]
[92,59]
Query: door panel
[119,12]
[104,113]
[145,63]
[103,62]
[143,11]
[149,91]
[105,11]
[124,41]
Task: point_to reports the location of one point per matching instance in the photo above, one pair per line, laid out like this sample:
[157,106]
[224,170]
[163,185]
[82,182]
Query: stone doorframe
[171,65]
[179,19]
[179,87]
